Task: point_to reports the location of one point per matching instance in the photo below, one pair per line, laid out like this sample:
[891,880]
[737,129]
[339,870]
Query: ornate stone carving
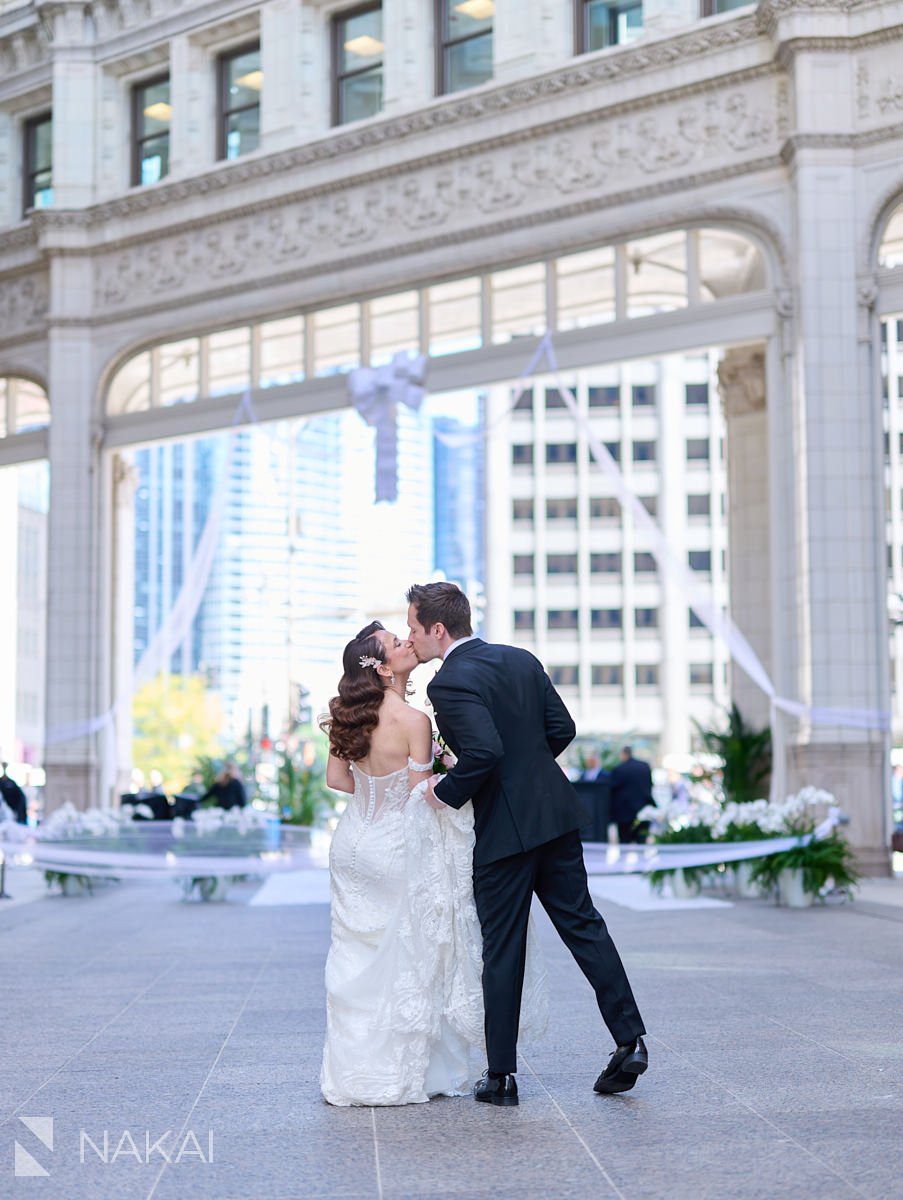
[890,95]
[24,301]
[741,381]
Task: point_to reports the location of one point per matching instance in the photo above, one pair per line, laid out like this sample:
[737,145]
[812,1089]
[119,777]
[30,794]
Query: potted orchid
[798,875]
[679,823]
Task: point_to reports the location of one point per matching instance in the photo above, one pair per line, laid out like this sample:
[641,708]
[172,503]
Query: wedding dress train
[404,1000]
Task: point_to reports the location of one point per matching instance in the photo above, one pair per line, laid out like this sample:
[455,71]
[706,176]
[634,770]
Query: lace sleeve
[416,766]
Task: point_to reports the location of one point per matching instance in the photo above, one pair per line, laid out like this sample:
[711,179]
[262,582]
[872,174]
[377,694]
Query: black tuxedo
[497,710]
[631,790]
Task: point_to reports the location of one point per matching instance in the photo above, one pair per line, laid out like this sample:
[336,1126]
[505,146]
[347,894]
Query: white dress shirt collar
[460,642]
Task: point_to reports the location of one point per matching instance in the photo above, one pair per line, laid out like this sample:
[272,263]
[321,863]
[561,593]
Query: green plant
[745,754]
[689,833]
[828,858]
[302,790]
[60,877]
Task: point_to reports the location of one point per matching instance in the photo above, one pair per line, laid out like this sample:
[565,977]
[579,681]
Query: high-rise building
[570,575]
[460,500]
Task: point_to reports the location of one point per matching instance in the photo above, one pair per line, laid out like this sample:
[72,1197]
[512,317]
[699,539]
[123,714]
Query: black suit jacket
[631,789]
[497,710]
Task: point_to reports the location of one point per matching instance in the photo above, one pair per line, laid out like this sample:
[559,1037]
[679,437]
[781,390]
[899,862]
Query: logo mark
[25,1162]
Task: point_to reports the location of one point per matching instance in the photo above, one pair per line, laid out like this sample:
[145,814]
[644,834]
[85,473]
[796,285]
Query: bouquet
[443,759]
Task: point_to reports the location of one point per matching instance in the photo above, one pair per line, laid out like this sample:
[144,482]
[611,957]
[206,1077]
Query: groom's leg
[563,890]
[503,891]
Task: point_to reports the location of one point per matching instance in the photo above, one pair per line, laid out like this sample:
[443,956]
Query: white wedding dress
[404,1001]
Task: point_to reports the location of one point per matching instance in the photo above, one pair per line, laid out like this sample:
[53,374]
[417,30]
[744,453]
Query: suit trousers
[503,891]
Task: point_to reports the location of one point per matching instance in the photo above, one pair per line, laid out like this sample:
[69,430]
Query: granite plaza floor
[776,1045]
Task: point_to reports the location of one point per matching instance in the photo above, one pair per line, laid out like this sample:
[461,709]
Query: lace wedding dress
[404,1001]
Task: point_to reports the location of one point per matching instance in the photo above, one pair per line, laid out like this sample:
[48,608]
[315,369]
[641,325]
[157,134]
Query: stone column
[672,505]
[74,103]
[741,382]
[10,181]
[125,484]
[530,37]
[280,51]
[409,56]
[192,87]
[75,696]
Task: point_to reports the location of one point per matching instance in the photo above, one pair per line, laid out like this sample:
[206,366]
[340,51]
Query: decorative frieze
[24,300]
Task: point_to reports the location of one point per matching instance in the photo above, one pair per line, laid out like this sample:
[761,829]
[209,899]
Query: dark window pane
[244,79]
[242,132]
[565,676]
[561,510]
[606,618]
[700,560]
[523,564]
[646,675]
[701,674]
[698,449]
[468,64]
[697,395]
[554,399]
[524,619]
[522,510]
[360,39]
[608,23]
[562,618]
[645,618]
[614,449]
[154,109]
[650,503]
[695,622]
[604,508]
[604,397]
[608,675]
[561,564]
[605,564]
[361,96]
[699,506]
[43,145]
[644,395]
[644,451]
[524,401]
[561,452]
[522,455]
[643,562]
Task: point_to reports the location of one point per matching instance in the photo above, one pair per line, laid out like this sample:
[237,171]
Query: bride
[403,994]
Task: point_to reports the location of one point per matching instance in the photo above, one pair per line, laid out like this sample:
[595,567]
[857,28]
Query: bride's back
[390,741]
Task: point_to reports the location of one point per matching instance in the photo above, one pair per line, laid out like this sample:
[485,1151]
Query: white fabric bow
[376,393]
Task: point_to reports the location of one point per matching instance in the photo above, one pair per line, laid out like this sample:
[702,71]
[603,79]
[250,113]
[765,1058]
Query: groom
[497,710]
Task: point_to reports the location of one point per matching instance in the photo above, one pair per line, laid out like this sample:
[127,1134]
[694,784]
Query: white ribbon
[376,393]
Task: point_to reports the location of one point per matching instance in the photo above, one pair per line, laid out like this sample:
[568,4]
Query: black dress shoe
[626,1063]
[501,1091]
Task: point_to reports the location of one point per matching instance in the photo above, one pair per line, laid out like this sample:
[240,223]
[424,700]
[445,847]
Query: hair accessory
[367,660]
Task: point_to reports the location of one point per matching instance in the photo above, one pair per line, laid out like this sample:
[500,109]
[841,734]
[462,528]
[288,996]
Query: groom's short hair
[443,604]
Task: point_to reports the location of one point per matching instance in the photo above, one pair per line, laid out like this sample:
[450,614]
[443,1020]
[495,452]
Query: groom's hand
[431,798]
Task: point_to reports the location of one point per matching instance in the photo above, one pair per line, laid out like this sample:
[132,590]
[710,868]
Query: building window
[604,397]
[643,563]
[523,564]
[524,401]
[697,395]
[562,618]
[650,503]
[151,119]
[605,564]
[565,676]
[614,449]
[464,46]
[606,618]
[357,63]
[646,675]
[711,8]
[561,510]
[645,618]
[522,510]
[644,452]
[554,399]
[700,560]
[38,135]
[561,452]
[604,508]
[240,86]
[695,622]
[643,395]
[701,675]
[524,620]
[697,449]
[561,564]
[608,675]
[522,455]
[699,506]
[601,23]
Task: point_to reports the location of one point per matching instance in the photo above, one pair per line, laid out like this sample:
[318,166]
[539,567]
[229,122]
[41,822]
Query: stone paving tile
[776,1041]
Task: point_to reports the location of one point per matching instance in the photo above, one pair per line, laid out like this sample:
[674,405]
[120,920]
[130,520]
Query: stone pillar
[75,696]
[74,103]
[192,87]
[125,484]
[529,37]
[672,505]
[741,382]
[10,181]
[280,50]
[409,56]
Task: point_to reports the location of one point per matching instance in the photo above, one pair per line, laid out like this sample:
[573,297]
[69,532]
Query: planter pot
[791,892]
[214,888]
[70,885]
[743,887]
[683,888]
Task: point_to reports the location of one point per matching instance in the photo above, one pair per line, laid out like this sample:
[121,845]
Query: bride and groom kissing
[432,876]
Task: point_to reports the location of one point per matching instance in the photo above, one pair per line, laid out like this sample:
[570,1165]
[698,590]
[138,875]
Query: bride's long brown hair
[354,712]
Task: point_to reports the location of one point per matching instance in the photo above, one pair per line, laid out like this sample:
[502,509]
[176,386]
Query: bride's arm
[338,775]
[420,753]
